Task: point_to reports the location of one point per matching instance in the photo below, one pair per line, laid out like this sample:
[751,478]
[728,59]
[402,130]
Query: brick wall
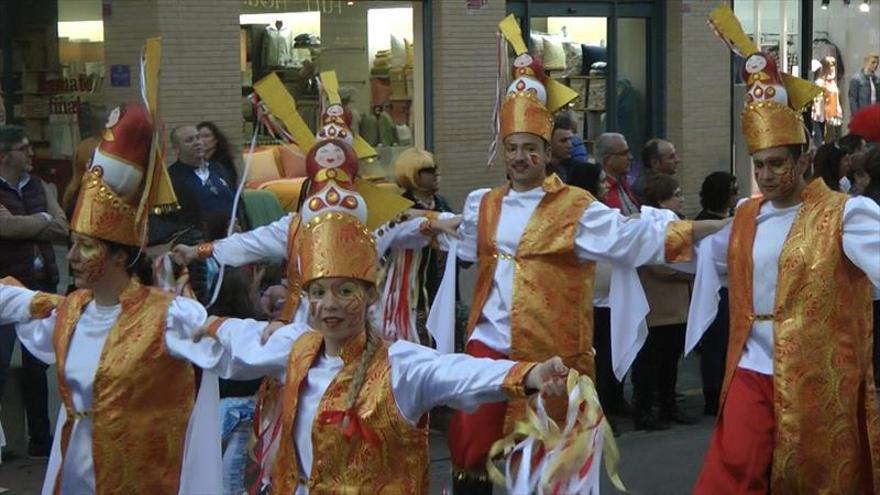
[201,77]
[698,95]
[201,73]
[464,87]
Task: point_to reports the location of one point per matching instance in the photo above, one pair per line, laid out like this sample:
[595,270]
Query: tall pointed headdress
[376,205]
[127,179]
[771,116]
[531,98]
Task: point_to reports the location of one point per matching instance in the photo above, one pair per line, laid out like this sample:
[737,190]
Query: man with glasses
[30,220]
[613,154]
[798,410]
[658,157]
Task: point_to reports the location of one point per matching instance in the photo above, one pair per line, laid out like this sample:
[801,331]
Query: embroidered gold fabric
[552,310]
[336,245]
[679,246]
[522,112]
[769,123]
[399,465]
[43,303]
[513,384]
[142,397]
[294,278]
[827,436]
[101,213]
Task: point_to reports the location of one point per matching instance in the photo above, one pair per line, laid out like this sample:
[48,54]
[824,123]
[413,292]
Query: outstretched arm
[421,379]
[265,243]
[33,315]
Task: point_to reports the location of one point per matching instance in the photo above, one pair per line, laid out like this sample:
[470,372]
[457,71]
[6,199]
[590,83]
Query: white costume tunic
[269,242]
[201,470]
[861,244]
[421,378]
[603,235]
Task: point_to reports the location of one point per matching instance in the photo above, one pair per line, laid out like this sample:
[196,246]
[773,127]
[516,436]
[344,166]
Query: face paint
[90,263]
[337,306]
[534,159]
[786,179]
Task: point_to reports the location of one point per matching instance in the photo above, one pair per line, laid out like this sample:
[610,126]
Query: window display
[373,48]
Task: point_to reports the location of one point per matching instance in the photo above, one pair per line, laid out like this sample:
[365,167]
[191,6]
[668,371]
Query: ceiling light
[865,7]
[825,4]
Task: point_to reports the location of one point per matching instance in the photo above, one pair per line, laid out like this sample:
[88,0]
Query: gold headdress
[127,178]
[532,97]
[378,206]
[771,116]
[335,244]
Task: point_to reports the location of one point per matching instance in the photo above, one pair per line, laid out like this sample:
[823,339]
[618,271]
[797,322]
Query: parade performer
[135,416]
[354,407]
[332,165]
[798,407]
[536,242]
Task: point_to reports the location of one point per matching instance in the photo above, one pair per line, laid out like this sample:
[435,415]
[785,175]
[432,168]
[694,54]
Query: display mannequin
[276,45]
[827,112]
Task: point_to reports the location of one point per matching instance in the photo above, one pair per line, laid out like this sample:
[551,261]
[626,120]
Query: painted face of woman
[338,306]
[88,259]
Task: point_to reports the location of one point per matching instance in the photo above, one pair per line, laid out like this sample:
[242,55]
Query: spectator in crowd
[718,197]
[613,155]
[827,165]
[30,220]
[561,146]
[416,172]
[850,145]
[658,157]
[591,178]
[655,370]
[203,189]
[864,88]
[217,149]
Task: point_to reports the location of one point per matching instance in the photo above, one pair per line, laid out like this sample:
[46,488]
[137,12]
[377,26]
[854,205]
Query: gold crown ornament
[531,97]
[774,100]
[127,179]
[336,244]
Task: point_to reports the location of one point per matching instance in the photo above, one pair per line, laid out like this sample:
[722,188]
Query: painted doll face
[755,63]
[330,156]
[88,259]
[338,306]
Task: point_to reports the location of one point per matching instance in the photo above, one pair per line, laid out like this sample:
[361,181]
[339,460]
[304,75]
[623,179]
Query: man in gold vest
[798,405]
[536,242]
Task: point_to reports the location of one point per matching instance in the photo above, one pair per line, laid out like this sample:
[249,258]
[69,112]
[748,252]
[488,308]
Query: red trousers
[741,451]
[471,436]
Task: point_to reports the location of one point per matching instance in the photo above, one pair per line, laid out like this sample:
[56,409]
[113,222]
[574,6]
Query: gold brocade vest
[397,465]
[142,397]
[827,436]
[552,306]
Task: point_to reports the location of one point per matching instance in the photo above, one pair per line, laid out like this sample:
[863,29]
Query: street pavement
[661,463]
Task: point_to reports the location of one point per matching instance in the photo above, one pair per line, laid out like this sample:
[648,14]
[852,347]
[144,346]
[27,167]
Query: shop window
[375,49]
[846,40]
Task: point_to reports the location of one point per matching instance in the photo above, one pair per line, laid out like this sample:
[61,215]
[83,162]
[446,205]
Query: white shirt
[421,378]
[603,235]
[201,470]
[269,242]
[861,245]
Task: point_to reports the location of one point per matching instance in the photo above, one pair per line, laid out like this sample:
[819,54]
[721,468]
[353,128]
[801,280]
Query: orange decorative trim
[514,383]
[679,241]
[12,282]
[215,325]
[43,303]
[426,229]
[205,250]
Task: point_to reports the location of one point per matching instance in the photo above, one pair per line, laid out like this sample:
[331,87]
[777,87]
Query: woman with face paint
[135,416]
[354,408]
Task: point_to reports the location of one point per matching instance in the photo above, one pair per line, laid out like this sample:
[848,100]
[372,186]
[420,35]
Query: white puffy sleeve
[34,333]
[422,378]
[861,236]
[401,235]
[466,247]
[604,234]
[244,357]
[711,276]
[268,242]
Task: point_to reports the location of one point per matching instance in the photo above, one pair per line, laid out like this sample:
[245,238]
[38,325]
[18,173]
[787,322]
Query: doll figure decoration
[762,77]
